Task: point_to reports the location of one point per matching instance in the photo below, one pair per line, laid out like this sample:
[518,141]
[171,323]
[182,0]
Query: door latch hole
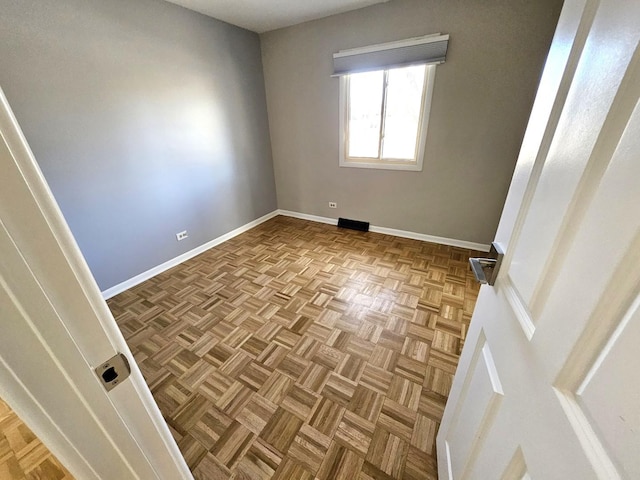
[109,375]
[113,372]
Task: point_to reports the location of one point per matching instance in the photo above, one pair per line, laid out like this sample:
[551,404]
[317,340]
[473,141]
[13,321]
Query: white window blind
[429,49]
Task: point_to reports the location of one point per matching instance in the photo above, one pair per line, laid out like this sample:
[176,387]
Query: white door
[548,385]
[55,328]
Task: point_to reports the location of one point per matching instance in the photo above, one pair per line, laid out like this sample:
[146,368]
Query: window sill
[411,167]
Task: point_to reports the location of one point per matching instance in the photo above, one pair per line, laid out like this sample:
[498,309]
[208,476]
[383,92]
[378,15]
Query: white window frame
[387,164]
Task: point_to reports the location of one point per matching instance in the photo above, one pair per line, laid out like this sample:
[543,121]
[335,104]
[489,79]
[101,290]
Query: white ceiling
[264,15]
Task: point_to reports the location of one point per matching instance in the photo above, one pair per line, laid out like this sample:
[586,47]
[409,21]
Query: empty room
[345,239]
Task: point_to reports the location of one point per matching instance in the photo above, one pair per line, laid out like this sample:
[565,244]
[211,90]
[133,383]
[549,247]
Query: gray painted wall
[146,118]
[482,100]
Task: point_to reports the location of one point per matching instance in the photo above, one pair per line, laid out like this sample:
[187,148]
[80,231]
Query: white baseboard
[306,216]
[396,233]
[132,282]
[431,238]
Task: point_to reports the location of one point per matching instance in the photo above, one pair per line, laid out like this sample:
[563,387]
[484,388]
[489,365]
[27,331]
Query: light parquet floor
[22,455]
[298,350]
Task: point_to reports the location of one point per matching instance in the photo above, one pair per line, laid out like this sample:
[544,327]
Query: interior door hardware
[486,269]
[114,371]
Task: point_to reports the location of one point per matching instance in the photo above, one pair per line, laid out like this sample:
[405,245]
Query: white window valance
[428,49]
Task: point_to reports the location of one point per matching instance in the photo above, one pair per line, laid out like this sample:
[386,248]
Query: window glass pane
[402,116]
[365,105]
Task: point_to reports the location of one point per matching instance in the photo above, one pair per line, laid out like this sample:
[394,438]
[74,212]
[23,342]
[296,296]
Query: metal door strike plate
[486,269]
[113,372]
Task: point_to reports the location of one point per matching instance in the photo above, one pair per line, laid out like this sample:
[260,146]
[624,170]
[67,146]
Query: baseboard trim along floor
[396,233]
[132,282]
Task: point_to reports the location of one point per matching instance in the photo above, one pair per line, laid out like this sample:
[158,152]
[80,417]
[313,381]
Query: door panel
[569,39]
[575,161]
[596,384]
[517,469]
[562,321]
[480,399]
[609,399]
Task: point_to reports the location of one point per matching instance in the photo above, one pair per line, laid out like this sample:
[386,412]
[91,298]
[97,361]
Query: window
[385,98]
[384,117]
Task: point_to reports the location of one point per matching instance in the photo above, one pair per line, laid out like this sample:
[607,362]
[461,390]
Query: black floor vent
[353,224]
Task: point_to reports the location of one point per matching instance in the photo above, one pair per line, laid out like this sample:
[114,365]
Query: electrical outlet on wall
[182,235]
[333,205]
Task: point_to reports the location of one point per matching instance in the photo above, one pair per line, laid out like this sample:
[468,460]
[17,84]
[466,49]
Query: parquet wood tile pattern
[22,455]
[298,350]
